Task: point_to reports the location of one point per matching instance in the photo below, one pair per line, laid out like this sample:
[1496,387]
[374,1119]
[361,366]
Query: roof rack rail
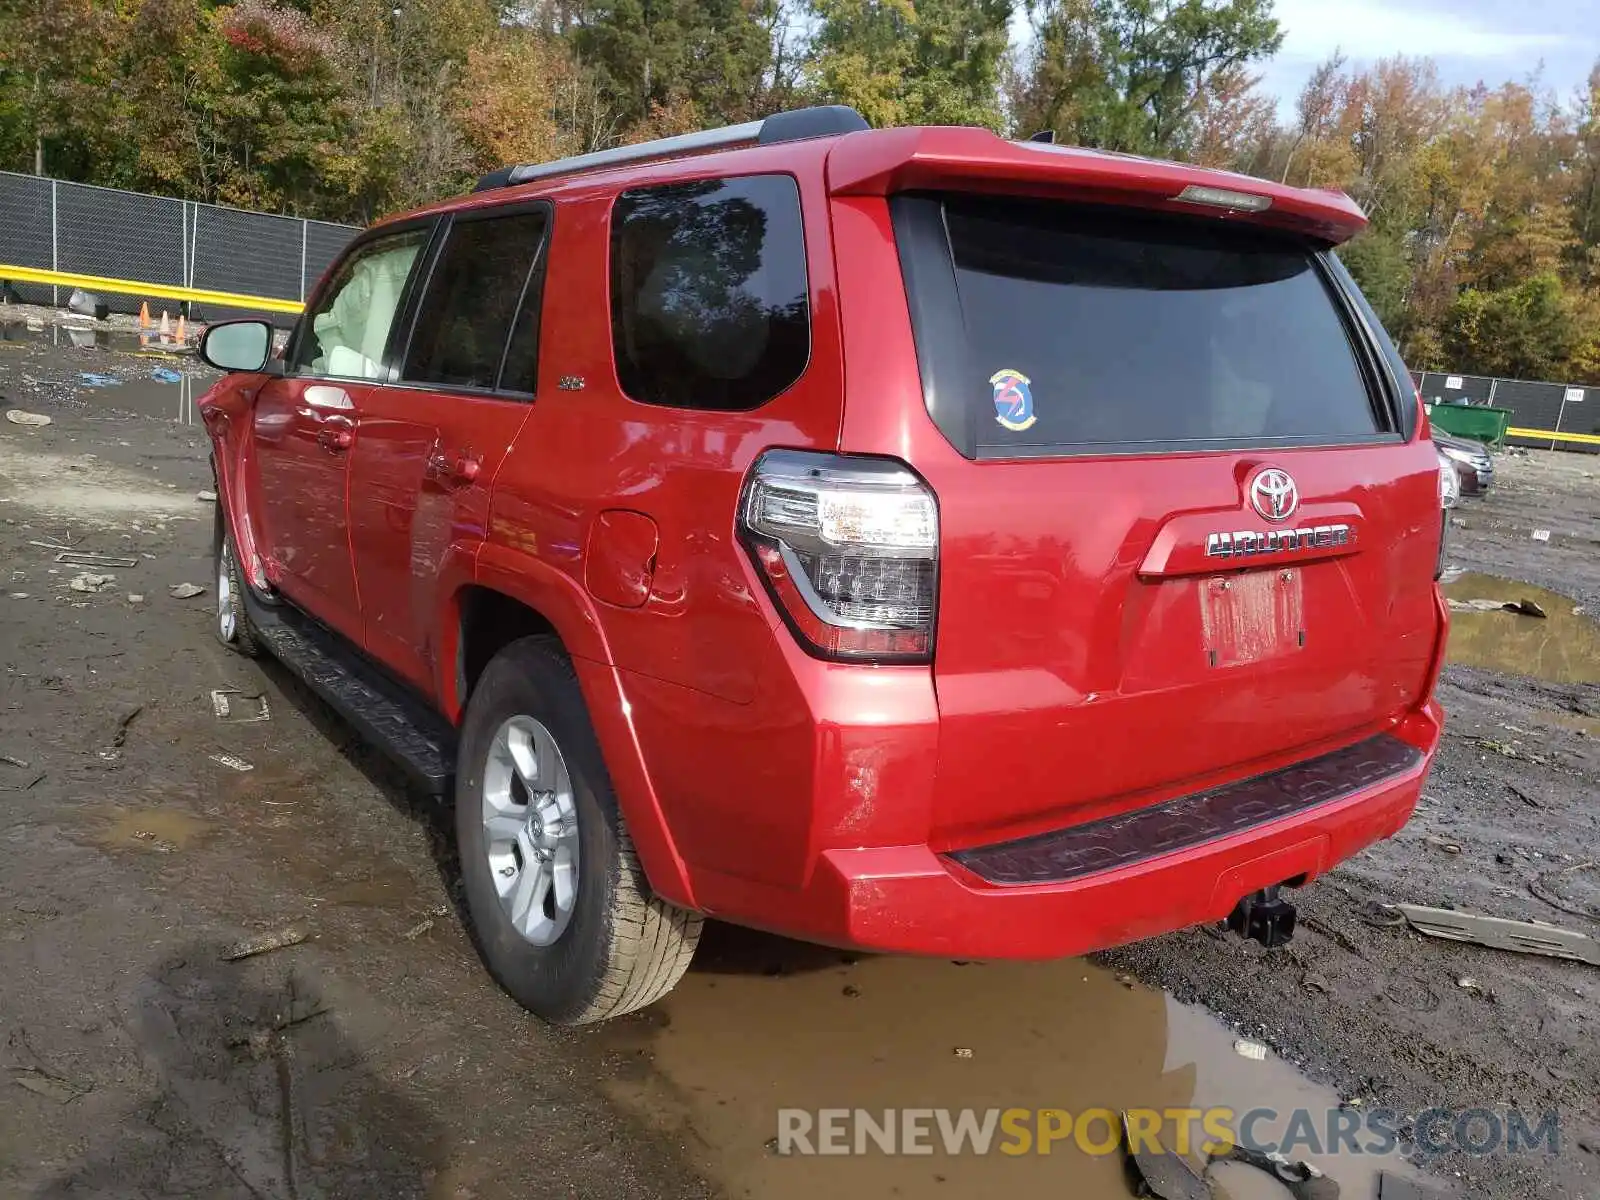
[827,120]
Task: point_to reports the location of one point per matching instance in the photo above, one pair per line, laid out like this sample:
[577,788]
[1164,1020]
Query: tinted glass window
[1091,331]
[474,298]
[709,302]
[346,333]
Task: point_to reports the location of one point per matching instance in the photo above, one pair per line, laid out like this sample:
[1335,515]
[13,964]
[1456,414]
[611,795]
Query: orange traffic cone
[144,315]
[182,341]
[166,329]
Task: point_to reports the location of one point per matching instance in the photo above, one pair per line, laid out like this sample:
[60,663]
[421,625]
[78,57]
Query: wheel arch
[511,600]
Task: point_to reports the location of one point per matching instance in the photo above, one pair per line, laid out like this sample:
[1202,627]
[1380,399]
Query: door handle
[456,470]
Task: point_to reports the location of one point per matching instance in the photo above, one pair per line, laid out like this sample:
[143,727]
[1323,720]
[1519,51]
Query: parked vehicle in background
[1472,462]
[902,539]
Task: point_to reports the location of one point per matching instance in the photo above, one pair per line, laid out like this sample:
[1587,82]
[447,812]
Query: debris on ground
[1300,1179]
[233,762]
[90,583]
[1528,608]
[166,375]
[87,304]
[1254,1051]
[1522,937]
[51,1087]
[420,928]
[264,943]
[22,765]
[17,417]
[155,841]
[135,598]
[74,558]
[185,591]
[1507,750]
[1160,1173]
[1525,797]
[1541,535]
[118,739]
[1444,844]
[230,704]
[205,497]
[963,1051]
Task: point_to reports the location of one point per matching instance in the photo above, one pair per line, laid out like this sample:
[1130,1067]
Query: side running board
[383,710]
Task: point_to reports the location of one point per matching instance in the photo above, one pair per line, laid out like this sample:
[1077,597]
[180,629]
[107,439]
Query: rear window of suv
[1046,328]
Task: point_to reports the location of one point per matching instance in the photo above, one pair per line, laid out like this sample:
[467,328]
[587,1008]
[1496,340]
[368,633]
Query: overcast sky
[1471,40]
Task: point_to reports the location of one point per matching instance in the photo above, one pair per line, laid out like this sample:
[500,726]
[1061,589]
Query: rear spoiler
[880,162]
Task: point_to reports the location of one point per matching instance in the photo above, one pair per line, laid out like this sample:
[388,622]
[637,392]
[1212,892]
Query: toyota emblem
[1274,494]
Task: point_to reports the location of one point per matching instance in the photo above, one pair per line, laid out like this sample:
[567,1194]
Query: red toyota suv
[901,539]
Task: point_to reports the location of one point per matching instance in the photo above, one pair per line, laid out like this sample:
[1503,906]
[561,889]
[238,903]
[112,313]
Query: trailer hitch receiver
[1264,917]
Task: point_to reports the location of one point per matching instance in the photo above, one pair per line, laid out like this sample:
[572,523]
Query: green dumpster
[1478,422]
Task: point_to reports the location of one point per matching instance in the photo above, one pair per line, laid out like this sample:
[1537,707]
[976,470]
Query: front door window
[347,333]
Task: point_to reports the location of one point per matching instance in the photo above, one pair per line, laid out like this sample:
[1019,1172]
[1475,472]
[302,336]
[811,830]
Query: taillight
[849,550]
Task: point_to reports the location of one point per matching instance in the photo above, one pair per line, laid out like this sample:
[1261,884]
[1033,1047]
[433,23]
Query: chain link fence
[1562,408]
[51,225]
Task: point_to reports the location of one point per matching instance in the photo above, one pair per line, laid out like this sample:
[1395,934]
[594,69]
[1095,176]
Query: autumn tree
[57,69]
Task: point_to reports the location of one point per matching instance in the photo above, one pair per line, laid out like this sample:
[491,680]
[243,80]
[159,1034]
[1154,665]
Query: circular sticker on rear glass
[1013,400]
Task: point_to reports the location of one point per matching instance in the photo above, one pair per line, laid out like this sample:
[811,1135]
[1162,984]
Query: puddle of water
[135,358]
[158,829]
[732,1045]
[383,887]
[1564,647]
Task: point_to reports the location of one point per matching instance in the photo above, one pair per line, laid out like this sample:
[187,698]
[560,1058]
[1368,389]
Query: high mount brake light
[849,551]
[1224,198]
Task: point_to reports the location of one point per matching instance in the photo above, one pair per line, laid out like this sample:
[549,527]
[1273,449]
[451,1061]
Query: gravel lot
[375,1058]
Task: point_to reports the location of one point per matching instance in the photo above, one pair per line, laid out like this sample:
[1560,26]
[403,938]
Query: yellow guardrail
[1587,439]
[133,287]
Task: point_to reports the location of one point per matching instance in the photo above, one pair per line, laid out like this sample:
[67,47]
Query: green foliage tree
[900,62]
[1527,331]
[650,54]
[1483,252]
[1132,75]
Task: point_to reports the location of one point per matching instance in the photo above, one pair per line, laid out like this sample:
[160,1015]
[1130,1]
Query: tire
[616,948]
[231,622]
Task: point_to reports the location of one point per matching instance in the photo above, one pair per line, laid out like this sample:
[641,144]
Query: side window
[484,287]
[346,333]
[709,300]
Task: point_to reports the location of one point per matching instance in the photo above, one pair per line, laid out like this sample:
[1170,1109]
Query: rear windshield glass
[1093,331]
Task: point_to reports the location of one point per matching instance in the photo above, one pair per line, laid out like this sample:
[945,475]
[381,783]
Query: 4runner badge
[1013,401]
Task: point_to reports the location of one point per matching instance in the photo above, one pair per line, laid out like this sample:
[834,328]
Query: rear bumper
[909,899]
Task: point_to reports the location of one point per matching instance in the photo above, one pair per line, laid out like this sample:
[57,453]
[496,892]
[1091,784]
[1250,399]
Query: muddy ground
[376,1058]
